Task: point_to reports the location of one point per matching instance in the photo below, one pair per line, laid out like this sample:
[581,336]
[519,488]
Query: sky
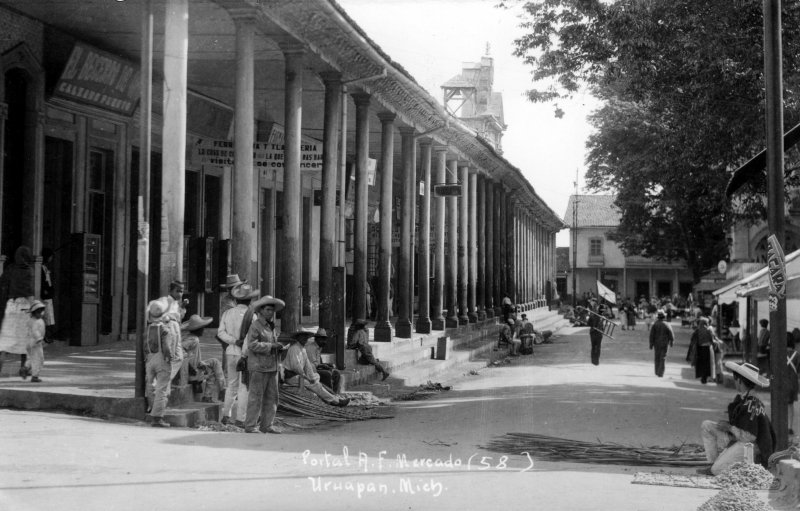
[432,38]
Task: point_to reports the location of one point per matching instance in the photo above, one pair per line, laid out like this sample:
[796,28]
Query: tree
[683,91]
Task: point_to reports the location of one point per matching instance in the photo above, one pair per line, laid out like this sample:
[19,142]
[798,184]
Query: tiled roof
[593,211]
[459,81]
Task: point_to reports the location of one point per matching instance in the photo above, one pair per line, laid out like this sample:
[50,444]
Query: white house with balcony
[591,219]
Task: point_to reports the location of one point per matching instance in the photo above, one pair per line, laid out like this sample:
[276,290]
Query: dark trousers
[262,399]
[330,378]
[369,359]
[596,338]
[660,358]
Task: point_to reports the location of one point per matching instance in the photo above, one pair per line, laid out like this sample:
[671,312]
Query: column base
[423,325]
[437,324]
[472,317]
[383,332]
[481,314]
[451,322]
[489,313]
[498,311]
[402,329]
[463,320]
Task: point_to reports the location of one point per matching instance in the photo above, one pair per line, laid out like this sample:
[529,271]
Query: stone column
[423,324]
[403,325]
[490,247]
[361,207]
[327,229]
[463,240]
[472,247]
[292,190]
[173,175]
[383,328]
[511,270]
[437,292]
[3,118]
[451,321]
[480,286]
[500,248]
[243,221]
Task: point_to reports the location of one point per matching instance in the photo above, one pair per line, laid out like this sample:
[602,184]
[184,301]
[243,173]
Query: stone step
[191,414]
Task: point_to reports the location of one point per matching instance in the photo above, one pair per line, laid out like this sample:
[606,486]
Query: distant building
[601,259]
[469,96]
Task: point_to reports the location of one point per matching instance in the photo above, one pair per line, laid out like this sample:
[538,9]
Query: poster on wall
[98,78]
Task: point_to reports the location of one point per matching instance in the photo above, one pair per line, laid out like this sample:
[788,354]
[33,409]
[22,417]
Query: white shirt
[230,326]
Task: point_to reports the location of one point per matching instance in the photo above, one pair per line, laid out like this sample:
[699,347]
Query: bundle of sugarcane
[294,404]
[561,449]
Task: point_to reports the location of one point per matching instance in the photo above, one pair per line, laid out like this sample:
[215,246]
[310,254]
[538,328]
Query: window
[595,247]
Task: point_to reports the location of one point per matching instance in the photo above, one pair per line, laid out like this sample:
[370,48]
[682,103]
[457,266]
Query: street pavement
[429,456]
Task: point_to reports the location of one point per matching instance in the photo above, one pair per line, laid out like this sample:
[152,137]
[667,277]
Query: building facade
[596,257]
[150,141]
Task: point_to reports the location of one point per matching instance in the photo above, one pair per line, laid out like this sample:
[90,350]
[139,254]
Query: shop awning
[727,294]
[710,286]
[761,292]
[757,284]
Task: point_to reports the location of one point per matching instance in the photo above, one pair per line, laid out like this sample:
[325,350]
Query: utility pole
[773,75]
[575,242]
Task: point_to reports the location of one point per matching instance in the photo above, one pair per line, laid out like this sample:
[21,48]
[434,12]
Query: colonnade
[488,242]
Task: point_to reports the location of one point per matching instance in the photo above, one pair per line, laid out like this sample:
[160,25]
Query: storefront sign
[266,155]
[447,190]
[98,78]
[776,266]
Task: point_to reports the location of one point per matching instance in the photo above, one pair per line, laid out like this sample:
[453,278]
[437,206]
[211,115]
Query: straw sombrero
[232,281]
[195,322]
[244,292]
[268,300]
[749,372]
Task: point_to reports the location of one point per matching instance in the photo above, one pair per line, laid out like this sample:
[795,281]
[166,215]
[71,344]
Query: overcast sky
[432,38]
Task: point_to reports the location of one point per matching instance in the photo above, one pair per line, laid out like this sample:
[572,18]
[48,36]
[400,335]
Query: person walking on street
[16,287]
[229,332]
[595,324]
[701,349]
[262,349]
[33,365]
[661,339]
[161,343]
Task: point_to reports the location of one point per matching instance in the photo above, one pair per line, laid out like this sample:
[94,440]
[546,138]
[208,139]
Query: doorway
[100,220]
[57,227]
[642,289]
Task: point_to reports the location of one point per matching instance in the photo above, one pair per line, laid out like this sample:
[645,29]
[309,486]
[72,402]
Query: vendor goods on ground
[423,392]
[746,475]
[735,499]
[550,448]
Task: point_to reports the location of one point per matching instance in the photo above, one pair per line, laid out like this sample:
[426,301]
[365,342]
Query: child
[206,376]
[36,342]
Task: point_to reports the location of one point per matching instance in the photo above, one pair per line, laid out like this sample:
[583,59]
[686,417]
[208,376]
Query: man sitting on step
[299,373]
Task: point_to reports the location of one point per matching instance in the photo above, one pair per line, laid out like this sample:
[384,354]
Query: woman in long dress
[16,285]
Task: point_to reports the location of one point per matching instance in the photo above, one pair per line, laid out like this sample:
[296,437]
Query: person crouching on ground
[328,374]
[661,339]
[299,373]
[360,343]
[161,342]
[726,442]
[35,360]
[507,336]
[262,349]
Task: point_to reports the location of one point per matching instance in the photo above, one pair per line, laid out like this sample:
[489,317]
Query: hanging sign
[453,190]
[776,266]
[266,155]
[99,78]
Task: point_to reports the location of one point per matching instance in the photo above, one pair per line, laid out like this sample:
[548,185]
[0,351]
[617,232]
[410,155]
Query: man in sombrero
[262,349]
[161,347]
[230,332]
[747,435]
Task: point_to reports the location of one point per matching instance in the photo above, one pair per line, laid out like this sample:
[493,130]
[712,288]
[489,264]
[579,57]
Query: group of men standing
[254,356]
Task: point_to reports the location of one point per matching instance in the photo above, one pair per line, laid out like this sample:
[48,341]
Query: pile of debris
[423,392]
[735,499]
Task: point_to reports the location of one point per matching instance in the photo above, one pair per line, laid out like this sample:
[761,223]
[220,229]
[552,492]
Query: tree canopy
[683,91]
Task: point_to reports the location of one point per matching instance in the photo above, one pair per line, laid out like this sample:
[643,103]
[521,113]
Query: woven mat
[673,479]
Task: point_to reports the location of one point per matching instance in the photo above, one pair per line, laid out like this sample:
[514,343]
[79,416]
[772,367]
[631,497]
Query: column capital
[440,148]
[243,14]
[292,49]
[331,78]
[407,131]
[425,141]
[387,117]
[361,98]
